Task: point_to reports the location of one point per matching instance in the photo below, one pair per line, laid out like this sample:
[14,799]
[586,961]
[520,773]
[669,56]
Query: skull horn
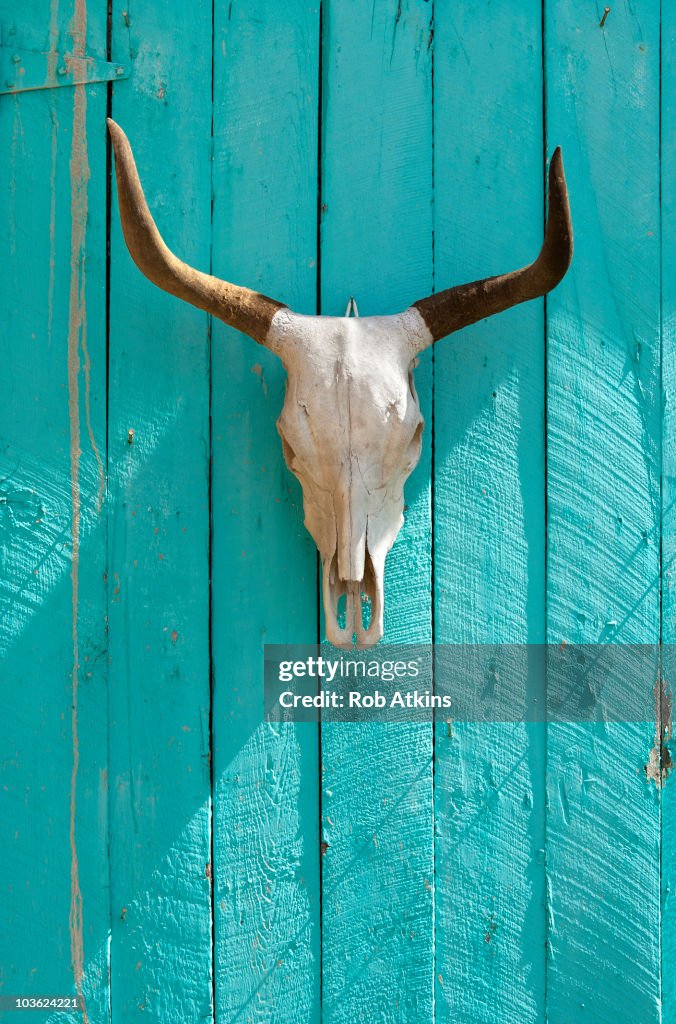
[246,310]
[458,307]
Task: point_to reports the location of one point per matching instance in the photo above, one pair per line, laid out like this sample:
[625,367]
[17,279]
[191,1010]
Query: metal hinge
[25,70]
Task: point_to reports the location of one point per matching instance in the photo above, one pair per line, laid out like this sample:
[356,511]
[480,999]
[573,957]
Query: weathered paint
[603,505]
[659,765]
[77,325]
[440,883]
[489,557]
[264,565]
[53,540]
[52,62]
[160,749]
[668,567]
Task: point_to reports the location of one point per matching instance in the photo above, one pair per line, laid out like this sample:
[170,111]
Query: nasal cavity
[353,610]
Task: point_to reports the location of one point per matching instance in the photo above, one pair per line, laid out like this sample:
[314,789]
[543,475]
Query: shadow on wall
[179,835]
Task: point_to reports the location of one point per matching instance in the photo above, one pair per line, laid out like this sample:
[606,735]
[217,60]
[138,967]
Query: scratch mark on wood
[79,177]
[397,19]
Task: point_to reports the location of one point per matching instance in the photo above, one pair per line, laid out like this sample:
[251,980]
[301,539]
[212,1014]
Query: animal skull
[351,432]
[351,426]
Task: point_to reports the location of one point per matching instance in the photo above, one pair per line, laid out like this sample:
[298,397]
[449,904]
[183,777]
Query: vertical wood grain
[489,510]
[604,506]
[467,890]
[376,235]
[668,238]
[53,845]
[159,536]
[266,783]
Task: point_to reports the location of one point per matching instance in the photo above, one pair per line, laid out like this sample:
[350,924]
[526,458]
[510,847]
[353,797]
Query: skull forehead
[368,349]
[355,369]
[348,376]
[349,396]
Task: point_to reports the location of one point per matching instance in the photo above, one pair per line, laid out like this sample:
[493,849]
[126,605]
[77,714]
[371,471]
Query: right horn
[242,308]
[458,307]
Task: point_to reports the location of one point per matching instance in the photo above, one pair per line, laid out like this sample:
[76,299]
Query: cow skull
[351,425]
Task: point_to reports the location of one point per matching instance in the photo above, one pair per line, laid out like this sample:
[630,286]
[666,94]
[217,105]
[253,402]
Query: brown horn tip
[246,310]
[455,308]
[557,250]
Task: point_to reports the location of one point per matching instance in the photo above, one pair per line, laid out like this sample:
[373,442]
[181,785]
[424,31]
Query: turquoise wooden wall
[162,851]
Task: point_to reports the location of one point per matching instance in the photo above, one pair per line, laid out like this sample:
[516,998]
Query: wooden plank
[376,244]
[266,784]
[54,834]
[489,510]
[159,537]
[668,194]
[604,506]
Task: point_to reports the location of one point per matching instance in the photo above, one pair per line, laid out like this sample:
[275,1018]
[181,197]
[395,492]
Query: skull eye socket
[411,381]
[288,452]
[414,445]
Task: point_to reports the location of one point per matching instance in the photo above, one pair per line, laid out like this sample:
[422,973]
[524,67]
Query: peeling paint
[79,178]
[660,764]
[53,57]
[52,60]
[52,221]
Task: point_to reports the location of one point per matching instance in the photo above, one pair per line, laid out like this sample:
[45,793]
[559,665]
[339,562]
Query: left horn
[242,308]
[458,307]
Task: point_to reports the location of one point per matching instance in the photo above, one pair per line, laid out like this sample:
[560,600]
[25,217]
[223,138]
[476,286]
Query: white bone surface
[351,432]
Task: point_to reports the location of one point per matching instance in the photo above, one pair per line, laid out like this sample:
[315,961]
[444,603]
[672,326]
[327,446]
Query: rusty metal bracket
[25,70]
